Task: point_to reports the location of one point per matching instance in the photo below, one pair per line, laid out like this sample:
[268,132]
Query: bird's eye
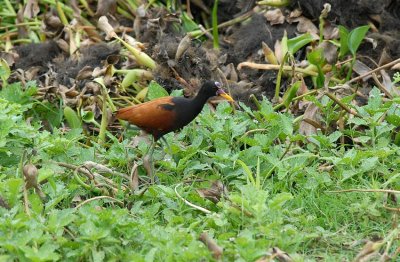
[218,84]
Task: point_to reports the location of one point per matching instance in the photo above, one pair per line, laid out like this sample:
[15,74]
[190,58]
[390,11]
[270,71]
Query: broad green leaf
[335,136]
[393,115]
[344,35]
[13,186]
[134,75]
[72,118]
[298,42]
[247,171]
[279,200]
[88,116]
[18,94]
[355,38]
[290,94]
[187,23]
[284,45]
[374,101]
[5,71]
[177,92]
[35,203]
[397,139]
[316,57]
[368,164]
[155,91]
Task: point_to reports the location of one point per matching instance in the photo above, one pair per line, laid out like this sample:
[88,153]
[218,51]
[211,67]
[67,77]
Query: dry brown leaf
[312,113]
[385,57]
[32,73]
[63,90]
[106,27]
[31,9]
[295,13]
[216,250]
[275,16]
[134,181]
[331,32]
[276,254]
[388,84]
[141,11]
[369,251]
[106,7]
[396,67]
[303,89]
[85,73]
[361,68]
[230,73]
[22,30]
[214,193]
[330,51]
[9,57]
[184,44]
[306,25]
[99,71]
[278,51]
[325,167]
[269,54]
[63,45]
[281,255]
[31,176]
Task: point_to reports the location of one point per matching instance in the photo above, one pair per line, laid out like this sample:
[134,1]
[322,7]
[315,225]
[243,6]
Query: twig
[394,209]
[314,124]
[26,200]
[286,151]
[341,104]
[254,131]
[255,101]
[365,191]
[212,245]
[202,209]
[373,71]
[381,86]
[88,174]
[98,197]
[236,19]
[285,68]
[103,169]
[278,106]
[276,67]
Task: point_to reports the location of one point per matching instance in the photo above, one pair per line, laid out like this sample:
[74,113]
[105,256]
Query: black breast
[186,110]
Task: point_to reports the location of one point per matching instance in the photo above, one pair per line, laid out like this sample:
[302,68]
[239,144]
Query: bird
[167,114]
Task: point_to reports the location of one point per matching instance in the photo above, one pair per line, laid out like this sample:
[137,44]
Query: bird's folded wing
[157,114]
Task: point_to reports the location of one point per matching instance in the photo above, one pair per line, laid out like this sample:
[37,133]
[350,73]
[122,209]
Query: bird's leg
[148,161]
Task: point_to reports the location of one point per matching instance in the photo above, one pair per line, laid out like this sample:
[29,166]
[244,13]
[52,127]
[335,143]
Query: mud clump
[36,55]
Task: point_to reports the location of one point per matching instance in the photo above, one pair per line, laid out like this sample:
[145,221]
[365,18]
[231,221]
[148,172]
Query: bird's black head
[213,88]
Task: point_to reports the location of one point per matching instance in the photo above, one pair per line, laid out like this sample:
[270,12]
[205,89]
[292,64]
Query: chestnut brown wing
[156,116]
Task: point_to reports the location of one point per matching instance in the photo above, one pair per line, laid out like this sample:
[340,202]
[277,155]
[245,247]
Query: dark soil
[239,42]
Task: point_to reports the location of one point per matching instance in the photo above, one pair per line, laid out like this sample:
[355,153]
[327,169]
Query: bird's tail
[124,113]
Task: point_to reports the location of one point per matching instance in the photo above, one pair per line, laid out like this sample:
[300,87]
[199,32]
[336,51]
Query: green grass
[285,203]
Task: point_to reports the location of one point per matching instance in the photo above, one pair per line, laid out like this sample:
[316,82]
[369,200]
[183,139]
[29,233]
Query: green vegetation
[278,187]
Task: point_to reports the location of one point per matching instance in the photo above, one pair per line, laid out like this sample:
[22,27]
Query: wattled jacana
[166,114]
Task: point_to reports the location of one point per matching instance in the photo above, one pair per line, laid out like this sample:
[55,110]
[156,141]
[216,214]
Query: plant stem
[341,104]
[215,25]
